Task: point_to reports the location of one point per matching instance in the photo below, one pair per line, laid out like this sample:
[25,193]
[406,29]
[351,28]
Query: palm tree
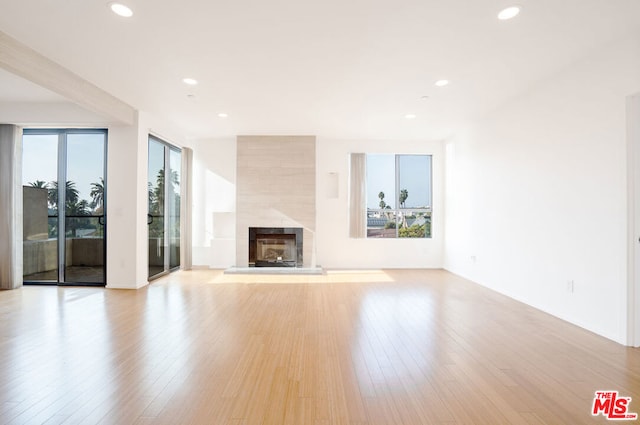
[158,194]
[71,194]
[75,209]
[151,195]
[158,191]
[404,194]
[382,203]
[97,196]
[79,208]
[40,184]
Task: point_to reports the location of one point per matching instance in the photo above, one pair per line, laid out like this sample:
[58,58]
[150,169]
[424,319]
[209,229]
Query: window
[398,196]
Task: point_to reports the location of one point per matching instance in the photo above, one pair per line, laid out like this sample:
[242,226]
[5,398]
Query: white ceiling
[335,68]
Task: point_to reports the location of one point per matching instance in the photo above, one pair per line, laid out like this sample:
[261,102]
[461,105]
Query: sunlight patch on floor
[330,276]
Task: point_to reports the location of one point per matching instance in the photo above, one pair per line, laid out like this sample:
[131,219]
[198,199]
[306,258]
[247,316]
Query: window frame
[398,211]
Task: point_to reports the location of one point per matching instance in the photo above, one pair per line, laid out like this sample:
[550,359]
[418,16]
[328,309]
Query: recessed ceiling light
[121,10]
[410,116]
[190,81]
[508,13]
[441,83]
[223,115]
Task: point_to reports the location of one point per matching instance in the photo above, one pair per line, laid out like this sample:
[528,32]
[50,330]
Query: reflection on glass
[163,215]
[155,217]
[382,224]
[174,208]
[84,208]
[414,178]
[40,208]
[381,177]
[381,196]
[414,182]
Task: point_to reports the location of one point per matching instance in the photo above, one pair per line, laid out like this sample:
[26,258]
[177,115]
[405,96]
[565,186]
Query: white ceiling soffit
[351,69]
[16,89]
[21,60]
[25,103]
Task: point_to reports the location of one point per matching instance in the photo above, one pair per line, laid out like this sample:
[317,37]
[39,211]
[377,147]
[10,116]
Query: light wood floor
[377,347]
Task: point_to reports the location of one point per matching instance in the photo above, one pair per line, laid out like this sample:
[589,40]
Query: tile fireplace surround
[276,187]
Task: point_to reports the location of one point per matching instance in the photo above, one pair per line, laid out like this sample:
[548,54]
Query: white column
[127,248]
[10,206]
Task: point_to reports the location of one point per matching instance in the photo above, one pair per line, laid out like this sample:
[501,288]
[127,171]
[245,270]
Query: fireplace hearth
[275,247]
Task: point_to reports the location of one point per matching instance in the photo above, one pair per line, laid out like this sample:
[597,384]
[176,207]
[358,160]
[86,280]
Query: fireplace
[275,247]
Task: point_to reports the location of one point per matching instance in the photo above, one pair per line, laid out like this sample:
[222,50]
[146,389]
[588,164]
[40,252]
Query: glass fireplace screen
[276,248]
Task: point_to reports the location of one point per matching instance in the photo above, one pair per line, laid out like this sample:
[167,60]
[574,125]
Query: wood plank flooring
[359,348]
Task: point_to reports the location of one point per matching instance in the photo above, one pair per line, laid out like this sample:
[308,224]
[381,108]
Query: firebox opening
[275,247]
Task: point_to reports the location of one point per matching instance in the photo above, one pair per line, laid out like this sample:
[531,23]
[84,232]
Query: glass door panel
[40,209]
[175,159]
[163,215]
[155,214]
[84,208]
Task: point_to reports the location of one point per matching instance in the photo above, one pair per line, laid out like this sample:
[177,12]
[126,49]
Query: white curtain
[11,210]
[186,192]
[357,196]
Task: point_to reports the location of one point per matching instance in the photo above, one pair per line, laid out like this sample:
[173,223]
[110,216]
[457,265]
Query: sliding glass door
[163,215]
[64,230]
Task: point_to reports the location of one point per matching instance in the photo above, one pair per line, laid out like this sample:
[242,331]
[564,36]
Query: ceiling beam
[30,114]
[25,62]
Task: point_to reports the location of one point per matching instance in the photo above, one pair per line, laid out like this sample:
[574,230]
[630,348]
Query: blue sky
[85,159]
[414,176]
[156,161]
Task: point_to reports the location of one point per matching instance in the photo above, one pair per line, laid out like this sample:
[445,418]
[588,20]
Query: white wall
[633,210]
[214,203]
[334,248]
[536,193]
